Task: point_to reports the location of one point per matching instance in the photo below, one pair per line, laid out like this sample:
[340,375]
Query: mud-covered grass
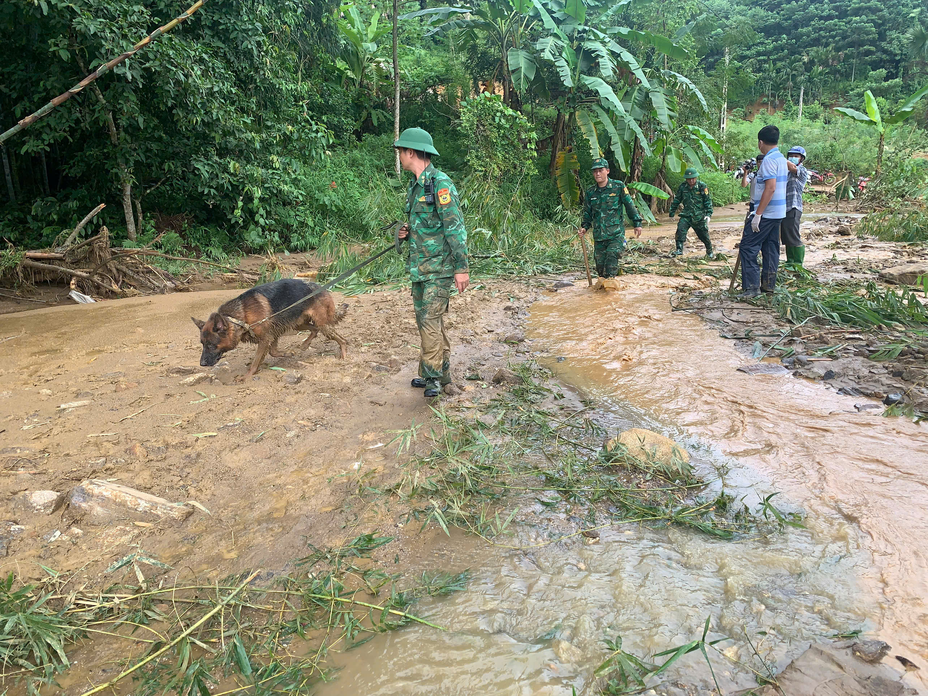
[252,631]
[474,468]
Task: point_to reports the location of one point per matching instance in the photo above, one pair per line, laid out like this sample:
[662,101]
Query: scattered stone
[45,392]
[52,536]
[590,533]
[566,652]
[451,390]
[649,446]
[505,376]
[843,230]
[196,379]
[829,374]
[868,407]
[763,369]
[514,338]
[138,451]
[893,399]
[833,670]
[380,368]
[394,364]
[8,532]
[906,274]
[292,378]
[907,663]
[125,386]
[609,284]
[180,371]
[562,284]
[871,651]
[102,501]
[74,404]
[43,502]
[802,360]
[473,376]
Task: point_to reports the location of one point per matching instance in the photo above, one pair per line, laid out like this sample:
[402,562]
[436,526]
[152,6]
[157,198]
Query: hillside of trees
[258,125]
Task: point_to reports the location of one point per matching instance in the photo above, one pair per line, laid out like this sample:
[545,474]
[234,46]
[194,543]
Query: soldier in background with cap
[437,254]
[602,211]
[795,185]
[693,195]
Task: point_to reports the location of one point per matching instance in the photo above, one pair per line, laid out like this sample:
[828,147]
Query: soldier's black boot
[432,388]
[419,382]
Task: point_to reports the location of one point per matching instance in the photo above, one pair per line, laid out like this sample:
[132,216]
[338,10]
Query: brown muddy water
[533,620]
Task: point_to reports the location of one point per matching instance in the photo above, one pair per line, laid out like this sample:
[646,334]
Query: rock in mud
[179,371]
[567,653]
[649,446]
[826,670]
[906,274]
[610,284]
[871,651]
[505,376]
[294,378]
[763,369]
[893,399]
[101,501]
[42,502]
[514,338]
[194,380]
[562,284]
[450,390]
[8,532]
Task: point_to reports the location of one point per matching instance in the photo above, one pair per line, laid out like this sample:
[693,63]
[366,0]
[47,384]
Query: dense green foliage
[268,125]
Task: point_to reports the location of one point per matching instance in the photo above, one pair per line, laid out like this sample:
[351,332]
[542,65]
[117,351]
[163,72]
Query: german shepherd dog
[237,321]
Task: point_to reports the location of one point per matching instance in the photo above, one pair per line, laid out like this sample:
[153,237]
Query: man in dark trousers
[693,196]
[795,185]
[602,210]
[762,230]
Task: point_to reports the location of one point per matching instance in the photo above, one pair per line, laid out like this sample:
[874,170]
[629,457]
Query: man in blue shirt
[762,230]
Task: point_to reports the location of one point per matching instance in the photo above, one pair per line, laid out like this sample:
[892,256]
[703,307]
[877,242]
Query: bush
[502,141]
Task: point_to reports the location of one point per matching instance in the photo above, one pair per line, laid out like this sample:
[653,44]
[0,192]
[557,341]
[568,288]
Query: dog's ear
[219,323]
[200,324]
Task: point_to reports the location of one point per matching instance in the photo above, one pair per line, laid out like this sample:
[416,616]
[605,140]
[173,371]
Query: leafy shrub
[901,224]
[502,141]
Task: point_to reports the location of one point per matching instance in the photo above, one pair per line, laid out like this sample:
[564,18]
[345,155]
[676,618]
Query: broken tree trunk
[76,231]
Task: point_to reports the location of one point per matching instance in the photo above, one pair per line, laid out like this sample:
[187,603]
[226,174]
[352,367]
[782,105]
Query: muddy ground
[114,391]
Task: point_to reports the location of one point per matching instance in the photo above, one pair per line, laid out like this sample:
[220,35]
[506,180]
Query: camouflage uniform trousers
[699,227]
[607,253]
[430,300]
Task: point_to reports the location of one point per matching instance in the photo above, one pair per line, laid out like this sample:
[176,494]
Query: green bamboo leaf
[241,657]
[648,189]
[873,109]
[575,9]
[588,128]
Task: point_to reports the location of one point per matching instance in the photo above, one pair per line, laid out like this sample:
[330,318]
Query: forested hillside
[268,125]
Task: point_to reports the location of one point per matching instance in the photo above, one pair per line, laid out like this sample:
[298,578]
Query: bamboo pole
[102,70]
[77,230]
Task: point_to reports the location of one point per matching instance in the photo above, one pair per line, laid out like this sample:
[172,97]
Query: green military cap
[416,139]
[690,173]
[599,163]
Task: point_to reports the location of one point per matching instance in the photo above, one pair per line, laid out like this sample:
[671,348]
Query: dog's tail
[340,313]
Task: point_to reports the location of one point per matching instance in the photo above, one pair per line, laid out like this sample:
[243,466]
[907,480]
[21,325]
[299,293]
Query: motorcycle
[825,177]
[862,182]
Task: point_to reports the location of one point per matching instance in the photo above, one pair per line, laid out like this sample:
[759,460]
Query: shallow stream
[533,621]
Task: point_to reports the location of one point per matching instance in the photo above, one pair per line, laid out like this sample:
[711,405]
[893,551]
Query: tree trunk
[10,191]
[557,141]
[45,187]
[879,155]
[396,89]
[723,116]
[802,91]
[138,214]
[634,169]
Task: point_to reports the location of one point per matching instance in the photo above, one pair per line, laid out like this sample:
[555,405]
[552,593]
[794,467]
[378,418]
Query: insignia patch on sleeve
[444,196]
[706,190]
[626,191]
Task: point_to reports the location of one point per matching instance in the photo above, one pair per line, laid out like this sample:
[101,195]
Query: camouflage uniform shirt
[437,240]
[602,210]
[695,201]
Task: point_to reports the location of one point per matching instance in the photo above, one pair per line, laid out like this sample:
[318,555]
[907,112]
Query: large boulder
[99,501]
[648,446]
[906,274]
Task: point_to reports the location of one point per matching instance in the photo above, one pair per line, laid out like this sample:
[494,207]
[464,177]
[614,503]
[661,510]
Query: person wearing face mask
[795,184]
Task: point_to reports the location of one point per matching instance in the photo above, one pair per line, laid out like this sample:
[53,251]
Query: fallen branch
[92,214]
[151,252]
[50,255]
[28,263]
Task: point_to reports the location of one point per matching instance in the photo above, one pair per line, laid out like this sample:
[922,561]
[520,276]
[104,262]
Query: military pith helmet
[416,139]
[690,173]
[599,163]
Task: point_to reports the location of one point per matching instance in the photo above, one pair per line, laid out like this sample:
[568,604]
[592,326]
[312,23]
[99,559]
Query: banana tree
[361,63]
[505,24]
[874,119]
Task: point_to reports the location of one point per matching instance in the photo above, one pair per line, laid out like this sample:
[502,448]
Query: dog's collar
[242,325]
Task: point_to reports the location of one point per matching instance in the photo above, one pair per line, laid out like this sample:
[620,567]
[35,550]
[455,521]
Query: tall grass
[904,223]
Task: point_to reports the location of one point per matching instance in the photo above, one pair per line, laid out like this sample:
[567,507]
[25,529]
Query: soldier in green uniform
[693,195]
[437,254]
[602,210]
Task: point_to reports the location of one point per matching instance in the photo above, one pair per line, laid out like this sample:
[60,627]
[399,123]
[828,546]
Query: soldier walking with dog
[602,210]
[693,196]
[437,254]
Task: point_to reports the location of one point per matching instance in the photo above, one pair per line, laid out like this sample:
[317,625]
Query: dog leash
[396,246]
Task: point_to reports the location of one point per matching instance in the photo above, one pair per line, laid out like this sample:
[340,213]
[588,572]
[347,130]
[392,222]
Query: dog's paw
[239,379]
